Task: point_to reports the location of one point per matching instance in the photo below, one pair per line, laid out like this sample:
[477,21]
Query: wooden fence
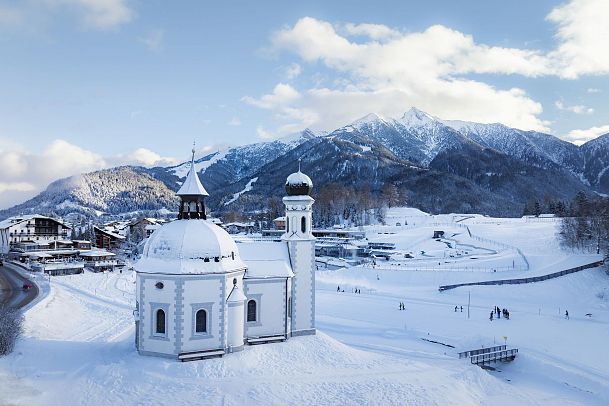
[524,280]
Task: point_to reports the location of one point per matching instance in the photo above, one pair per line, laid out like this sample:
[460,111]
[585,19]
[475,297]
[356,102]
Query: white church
[200,294]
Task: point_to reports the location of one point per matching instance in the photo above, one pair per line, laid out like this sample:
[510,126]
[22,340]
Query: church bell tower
[192,195]
[301,245]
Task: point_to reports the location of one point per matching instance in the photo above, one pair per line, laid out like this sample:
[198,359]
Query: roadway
[11,288]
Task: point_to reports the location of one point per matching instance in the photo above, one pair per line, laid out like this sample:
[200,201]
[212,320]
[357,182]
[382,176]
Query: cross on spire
[193,151]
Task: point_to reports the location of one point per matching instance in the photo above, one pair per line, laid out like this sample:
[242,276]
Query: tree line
[586,228]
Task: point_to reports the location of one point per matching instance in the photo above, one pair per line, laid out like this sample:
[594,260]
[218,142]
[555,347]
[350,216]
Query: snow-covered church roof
[266,259]
[192,185]
[190,247]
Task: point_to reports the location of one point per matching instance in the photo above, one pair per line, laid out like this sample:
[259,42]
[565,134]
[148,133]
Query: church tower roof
[192,185]
[298,184]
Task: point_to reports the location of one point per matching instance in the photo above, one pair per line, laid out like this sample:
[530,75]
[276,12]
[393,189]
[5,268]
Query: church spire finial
[193,151]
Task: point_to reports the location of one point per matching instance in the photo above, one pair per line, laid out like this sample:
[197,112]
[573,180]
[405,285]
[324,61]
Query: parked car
[27,286]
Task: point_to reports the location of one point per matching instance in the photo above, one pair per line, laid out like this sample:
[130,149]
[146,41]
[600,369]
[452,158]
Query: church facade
[200,294]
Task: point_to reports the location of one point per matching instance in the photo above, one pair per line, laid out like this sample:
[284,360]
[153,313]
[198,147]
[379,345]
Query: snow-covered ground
[78,347]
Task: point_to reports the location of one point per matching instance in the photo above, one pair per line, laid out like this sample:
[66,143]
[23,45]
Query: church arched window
[201,321]
[193,207]
[303,224]
[185,207]
[251,310]
[160,322]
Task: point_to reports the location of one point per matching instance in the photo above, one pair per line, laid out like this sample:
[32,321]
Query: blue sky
[92,83]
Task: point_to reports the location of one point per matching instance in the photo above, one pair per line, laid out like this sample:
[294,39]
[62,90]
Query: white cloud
[292,71]
[411,69]
[579,137]
[282,94]
[26,173]
[577,109]
[101,14]
[16,187]
[264,134]
[153,40]
[146,157]
[235,121]
[593,90]
[387,70]
[373,31]
[583,34]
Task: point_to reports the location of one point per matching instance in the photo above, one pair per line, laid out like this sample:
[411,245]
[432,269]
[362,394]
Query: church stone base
[309,332]
[235,349]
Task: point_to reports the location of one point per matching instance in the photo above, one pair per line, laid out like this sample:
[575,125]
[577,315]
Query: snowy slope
[78,345]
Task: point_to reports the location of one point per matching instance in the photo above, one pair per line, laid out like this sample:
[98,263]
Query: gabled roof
[108,233]
[11,221]
[266,259]
[192,185]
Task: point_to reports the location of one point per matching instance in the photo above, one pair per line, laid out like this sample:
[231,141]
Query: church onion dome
[190,247]
[298,184]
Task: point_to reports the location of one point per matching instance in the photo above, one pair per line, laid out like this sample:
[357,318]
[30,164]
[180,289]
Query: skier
[461,309]
[491,317]
[338,288]
[567,314]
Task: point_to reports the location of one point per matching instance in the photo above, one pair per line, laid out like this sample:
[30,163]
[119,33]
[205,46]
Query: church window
[185,207]
[251,310]
[160,322]
[287,225]
[193,207]
[201,321]
[303,224]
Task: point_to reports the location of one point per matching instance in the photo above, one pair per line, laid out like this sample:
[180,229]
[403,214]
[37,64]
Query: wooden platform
[485,356]
[192,356]
[265,339]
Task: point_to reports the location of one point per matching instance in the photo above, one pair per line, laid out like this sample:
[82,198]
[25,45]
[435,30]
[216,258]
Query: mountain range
[440,165]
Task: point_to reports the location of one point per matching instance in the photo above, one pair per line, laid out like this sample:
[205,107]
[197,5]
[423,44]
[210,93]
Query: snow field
[78,346]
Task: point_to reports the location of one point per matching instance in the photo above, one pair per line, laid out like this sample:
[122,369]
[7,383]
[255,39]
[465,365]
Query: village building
[108,240]
[237,227]
[142,228]
[200,294]
[31,230]
[100,260]
[279,223]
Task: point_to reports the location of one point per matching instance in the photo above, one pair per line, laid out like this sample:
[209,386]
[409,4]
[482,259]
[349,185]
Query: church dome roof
[190,247]
[298,184]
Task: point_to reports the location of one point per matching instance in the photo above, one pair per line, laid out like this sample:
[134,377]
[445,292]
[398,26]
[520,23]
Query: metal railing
[487,358]
[470,353]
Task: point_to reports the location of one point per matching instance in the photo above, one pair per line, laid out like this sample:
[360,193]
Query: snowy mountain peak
[416,118]
[371,118]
